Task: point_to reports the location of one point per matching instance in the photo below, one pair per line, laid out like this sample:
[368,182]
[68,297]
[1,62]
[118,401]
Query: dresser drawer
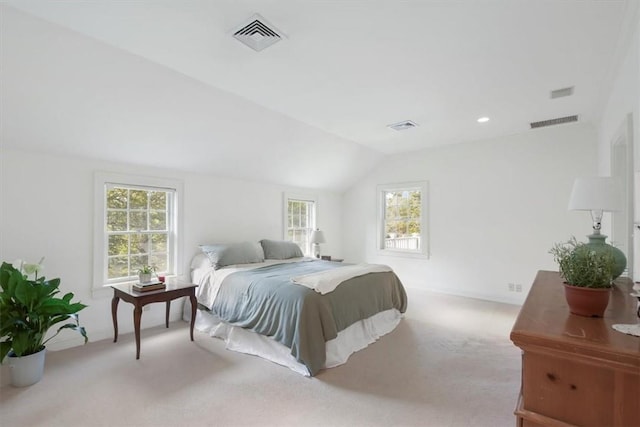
[568,390]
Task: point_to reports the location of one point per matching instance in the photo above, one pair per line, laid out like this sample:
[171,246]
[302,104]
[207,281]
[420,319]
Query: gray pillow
[223,254]
[279,249]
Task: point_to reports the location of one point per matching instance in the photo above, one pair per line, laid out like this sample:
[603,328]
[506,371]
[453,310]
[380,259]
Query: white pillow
[223,254]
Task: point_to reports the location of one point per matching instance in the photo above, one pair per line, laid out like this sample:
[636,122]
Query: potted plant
[588,276]
[145,272]
[28,309]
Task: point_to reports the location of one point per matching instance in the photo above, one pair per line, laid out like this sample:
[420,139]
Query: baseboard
[517,299]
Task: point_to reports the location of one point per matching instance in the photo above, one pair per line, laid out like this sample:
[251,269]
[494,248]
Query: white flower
[28,268]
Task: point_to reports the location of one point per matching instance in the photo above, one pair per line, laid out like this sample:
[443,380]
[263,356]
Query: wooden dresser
[576,371]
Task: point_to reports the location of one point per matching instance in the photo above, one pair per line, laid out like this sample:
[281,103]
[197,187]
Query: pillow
[221,255]
[278,249]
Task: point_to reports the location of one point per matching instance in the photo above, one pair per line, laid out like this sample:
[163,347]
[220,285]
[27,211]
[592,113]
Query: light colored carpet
[449,363]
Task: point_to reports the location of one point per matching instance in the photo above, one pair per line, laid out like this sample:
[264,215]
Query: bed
[268,300]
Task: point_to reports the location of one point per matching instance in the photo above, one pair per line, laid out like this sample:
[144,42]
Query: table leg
[114,315]
[166,319]
[194,304]
[137,315]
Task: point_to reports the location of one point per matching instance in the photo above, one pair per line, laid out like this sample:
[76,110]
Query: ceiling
[345,70]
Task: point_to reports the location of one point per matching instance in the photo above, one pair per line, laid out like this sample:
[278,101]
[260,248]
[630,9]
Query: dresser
[576,371]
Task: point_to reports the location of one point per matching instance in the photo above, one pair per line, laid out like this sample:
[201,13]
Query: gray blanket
[265,301]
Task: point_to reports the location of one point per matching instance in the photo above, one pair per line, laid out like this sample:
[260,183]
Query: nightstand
[173,290]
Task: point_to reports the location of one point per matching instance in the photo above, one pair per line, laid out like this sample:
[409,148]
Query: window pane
[138,229]
[137,261]
[158,200]
[403,209]
[415,205]
[117,198]
[300,222]
[138,199]
[402,219]
[139,244]
[116,221]
[118,244]
[157,220]
[159,243]
[138,220]
[303,219]
[159,261]
[117,268]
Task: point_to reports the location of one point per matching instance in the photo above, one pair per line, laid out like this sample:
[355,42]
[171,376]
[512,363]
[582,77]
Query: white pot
[144,277]
[26,370]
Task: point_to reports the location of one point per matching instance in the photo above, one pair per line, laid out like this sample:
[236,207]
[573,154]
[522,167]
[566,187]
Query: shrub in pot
[28,309]
[588,276]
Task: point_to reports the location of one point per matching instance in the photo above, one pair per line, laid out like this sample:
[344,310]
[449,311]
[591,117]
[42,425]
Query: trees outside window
[136,225]
[402,218]
[300,220]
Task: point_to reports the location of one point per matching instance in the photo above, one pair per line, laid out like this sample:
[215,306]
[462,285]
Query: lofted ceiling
[322,97]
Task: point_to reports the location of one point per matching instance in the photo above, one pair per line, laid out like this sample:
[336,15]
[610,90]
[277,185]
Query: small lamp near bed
[317,237]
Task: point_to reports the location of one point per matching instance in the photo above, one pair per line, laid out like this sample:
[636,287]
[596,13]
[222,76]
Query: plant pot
[26,370]
[144,277]
[589,302]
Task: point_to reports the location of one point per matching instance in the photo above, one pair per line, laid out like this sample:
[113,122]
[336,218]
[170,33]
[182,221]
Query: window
[299,220]
[136,224]
[403,219]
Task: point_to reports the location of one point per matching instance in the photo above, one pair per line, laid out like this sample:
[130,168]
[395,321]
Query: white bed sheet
[352,339]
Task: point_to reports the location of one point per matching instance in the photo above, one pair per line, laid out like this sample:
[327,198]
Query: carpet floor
[449,363]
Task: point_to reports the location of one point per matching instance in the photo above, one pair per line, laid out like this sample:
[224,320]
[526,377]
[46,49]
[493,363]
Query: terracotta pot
[589,302]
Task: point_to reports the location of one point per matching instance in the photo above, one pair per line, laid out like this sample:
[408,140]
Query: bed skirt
[352,339]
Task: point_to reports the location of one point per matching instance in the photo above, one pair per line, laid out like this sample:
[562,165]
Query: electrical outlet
[511,287]
[146,308]
[518,287]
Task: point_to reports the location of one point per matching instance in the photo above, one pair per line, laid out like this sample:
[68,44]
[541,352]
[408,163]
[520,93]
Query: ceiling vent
[559,93]
[552,122]
[258,33]
[407,124]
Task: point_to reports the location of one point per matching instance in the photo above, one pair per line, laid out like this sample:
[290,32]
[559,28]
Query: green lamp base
[597,243]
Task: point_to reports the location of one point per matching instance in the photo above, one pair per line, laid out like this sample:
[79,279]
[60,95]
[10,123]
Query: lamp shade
[596,193]
[317,236]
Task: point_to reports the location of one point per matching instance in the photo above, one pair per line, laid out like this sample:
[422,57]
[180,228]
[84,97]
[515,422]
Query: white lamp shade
[317,236]
[596,193]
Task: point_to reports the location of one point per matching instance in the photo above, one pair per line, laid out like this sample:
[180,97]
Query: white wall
[47,210]
[496,208]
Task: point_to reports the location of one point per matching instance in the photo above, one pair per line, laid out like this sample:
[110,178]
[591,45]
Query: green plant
[29,308]
[582,266]
[147,269]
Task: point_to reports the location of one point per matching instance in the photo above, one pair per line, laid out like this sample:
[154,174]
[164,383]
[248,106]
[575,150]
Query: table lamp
[317,237]
[598,195]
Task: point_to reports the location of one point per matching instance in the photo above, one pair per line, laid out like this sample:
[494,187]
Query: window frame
[381,190]
[102,180]
[285,221]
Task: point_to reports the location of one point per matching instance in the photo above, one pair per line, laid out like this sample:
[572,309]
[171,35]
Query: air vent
[552,122]
[407,124]
[559,93]
[258,33]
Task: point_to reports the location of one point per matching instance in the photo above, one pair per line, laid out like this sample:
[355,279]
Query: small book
[151,283]
[148,287]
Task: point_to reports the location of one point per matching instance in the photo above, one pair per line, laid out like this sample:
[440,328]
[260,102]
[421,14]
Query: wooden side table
[172,291]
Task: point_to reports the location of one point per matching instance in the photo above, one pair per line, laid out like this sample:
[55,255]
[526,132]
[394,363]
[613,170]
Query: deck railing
[409,242]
